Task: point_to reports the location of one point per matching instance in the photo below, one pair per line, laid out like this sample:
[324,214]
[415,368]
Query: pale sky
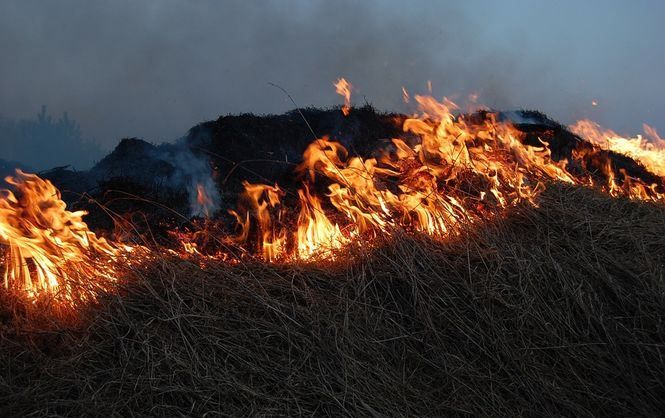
[153,69]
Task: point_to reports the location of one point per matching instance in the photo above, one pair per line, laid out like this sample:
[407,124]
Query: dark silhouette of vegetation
[45,142]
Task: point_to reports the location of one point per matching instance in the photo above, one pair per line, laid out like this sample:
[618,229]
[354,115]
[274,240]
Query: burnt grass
[552,310]
[149,185]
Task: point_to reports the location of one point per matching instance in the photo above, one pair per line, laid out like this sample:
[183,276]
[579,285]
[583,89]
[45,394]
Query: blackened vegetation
[145,183]
[266,149]
[583,156]
[150,185]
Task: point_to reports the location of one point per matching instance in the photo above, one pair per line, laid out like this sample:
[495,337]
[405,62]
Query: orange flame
[262,202]
[203,200]
[460,172]
[447,172]
[343,88]
[649,151]
[316,235]
[50,249]
[422,175]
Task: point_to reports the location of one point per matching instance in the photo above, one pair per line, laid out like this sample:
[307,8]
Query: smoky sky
[153,69]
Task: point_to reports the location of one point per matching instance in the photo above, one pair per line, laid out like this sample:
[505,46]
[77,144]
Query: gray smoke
[191,173]
[153,69]
[194,173]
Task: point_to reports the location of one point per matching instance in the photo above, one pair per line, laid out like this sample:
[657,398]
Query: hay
[554,310]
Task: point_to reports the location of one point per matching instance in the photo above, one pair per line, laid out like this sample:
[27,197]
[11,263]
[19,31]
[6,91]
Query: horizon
[154,70]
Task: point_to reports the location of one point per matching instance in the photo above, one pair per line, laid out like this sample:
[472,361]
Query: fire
[261,202]
[343,88]
[434,185]
[50,249]
[203,200]
[405,96]
[449,171]
[464,169]
[649,151]
[316,235]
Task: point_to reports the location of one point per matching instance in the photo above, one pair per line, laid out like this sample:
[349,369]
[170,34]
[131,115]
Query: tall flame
[316,235]
[50,249]
[261,202]
[343,88]
[449,171]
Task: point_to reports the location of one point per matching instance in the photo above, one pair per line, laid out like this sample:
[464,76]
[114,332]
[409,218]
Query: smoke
[194,174]
[154,69]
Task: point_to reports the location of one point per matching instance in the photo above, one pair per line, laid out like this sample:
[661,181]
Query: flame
[203,200]
[420,186]
[316,235]
[649,151]
[262,203]
[405,96]
[50,249]
[449,171]
[343,88]
[191,248]
[462,170]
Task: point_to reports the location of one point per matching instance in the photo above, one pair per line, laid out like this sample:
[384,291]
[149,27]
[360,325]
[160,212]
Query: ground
[556,310]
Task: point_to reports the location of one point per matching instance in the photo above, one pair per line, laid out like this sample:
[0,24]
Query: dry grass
[555,310]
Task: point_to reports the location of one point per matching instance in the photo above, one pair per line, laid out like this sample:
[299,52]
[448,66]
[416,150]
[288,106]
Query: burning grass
[469,265]
[49,250]
[555,309]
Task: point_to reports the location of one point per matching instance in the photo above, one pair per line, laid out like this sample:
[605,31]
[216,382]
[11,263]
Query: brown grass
[555,310]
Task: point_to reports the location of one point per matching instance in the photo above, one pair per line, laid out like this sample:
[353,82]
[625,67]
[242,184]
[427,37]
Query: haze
[153,69]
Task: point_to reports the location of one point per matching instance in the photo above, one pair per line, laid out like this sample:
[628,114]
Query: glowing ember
[343,88]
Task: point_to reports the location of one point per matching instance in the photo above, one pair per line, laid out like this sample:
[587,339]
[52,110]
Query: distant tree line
[45,142]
